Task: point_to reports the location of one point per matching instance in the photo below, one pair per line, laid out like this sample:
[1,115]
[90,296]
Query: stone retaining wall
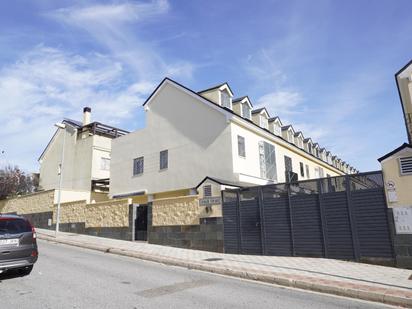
[38,202]
[176,211]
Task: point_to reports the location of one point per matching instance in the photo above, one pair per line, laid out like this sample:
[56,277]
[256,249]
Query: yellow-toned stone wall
[112,213]
[182,210]
[71,212]
[31,203]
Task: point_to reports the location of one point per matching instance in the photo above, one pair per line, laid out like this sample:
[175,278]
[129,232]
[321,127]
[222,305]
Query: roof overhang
[243,101]
[405,72]
[130,194]
[395,151]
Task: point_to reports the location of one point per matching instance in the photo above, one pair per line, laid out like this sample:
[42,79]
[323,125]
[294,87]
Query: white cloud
[116,27]
[280,102]
[109,13]
[48,84]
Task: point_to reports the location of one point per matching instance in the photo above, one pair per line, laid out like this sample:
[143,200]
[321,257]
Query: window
[138,164]
[207,191]
[225,99]
[105,164]
[288,164]
[241,146]
[316,172]
[317,152]
[307,172]
[263,122]
[267,158]
[164,159]
[290,136]
[321,172]
[245,110]
[310,147]
[276,128]
[302,169]
[406,165]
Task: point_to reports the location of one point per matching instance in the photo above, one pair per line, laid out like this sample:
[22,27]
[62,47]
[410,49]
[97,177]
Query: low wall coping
[177,197]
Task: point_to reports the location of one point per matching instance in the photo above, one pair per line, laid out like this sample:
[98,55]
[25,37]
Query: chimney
[86,115]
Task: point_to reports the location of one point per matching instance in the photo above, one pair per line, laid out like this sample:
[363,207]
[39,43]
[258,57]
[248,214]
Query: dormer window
[276,128]
[263,122]
[290,136]
[225,99]
[246,111]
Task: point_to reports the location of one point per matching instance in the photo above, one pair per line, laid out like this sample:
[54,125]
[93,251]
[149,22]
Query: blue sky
[326,67]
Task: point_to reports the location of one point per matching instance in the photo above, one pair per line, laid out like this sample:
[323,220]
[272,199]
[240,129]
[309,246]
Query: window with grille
[276,128]
[406,165]
[241,150]
[138,165]
[225,99]
[245,110]
[207,191]
[267,158]
[164,159]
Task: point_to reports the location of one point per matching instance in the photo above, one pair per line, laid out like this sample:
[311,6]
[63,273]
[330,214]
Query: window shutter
[406,165]
[207,191]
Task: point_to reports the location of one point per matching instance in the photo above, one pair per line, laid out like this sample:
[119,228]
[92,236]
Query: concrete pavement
[72,277]
[368,282]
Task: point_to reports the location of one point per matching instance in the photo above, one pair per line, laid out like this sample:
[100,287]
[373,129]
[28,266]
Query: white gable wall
[196,136]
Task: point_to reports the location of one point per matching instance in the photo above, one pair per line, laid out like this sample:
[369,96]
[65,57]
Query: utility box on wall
[397,173]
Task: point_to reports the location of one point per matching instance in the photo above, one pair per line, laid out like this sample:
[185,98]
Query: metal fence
[342,217]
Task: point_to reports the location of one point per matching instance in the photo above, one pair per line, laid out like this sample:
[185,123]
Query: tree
[14,181]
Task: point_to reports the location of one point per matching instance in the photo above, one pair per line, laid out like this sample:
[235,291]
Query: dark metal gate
[140,223]
[342,217]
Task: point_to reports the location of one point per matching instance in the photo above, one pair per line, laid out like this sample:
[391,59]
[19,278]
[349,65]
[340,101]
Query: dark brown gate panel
[278,235]
[231,231]
[307,225]
[339,242]
[371,220]
[250,232]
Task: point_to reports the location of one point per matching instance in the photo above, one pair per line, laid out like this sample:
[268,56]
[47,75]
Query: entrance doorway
[140,223]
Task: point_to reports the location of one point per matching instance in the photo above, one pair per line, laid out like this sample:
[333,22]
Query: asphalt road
[70,277]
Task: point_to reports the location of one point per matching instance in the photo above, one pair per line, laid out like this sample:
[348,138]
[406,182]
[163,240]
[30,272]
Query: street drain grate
[213,259]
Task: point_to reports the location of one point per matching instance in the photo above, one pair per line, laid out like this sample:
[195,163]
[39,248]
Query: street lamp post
[60,126]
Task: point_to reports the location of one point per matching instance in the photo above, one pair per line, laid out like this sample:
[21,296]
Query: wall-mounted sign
[403,219]
[209,201]
[391,191]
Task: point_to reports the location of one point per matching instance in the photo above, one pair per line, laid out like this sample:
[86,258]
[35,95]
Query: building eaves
[259,110]
[284,128]
[400,96]
[274,119]
[240,99]
[403,146]
[220,182]
[216,87]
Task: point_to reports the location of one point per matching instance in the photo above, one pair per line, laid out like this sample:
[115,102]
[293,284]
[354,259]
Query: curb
[381,295]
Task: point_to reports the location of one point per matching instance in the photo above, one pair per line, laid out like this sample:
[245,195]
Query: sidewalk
[368,282]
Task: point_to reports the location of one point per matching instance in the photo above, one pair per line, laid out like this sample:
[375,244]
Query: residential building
[192,135]
[85,161]
[404,83]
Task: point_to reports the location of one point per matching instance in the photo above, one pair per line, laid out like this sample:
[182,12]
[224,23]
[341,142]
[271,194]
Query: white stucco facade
[86,158]
[202,140]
